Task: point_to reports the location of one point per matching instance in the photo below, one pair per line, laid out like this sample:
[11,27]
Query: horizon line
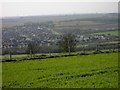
[58,14]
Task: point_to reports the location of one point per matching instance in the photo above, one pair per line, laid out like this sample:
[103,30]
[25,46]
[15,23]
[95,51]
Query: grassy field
[0,75]
[113,33]
[90,71]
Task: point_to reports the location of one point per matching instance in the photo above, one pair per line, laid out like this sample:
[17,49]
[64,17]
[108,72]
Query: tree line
[67,43]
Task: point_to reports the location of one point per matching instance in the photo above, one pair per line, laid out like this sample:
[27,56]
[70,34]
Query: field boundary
[58,55]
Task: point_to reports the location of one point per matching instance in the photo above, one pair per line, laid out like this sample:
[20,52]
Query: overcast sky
[50,8]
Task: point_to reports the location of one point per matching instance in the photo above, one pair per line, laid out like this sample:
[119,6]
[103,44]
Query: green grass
[92,43]
[113,33]
[0,75]
[91,71]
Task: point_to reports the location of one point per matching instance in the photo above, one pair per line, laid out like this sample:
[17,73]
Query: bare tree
[32,48]
[10,53]
[68,43]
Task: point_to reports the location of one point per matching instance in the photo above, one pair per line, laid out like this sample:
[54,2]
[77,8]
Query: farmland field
[89,71]
[113,33]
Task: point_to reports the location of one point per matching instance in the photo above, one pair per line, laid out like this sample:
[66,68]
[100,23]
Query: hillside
[91,71]
[88,28]
[17,21]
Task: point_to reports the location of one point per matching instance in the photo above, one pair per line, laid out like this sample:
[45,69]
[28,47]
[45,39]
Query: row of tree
[67,43]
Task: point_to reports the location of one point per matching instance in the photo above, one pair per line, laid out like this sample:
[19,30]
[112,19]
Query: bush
[66,55]
[118,50]
[84,53]
[97,52]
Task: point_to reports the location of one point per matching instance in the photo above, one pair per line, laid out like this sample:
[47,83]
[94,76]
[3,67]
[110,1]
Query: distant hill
[88,28]
[17,21]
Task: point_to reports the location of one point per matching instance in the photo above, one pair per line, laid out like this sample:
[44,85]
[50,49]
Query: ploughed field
[86,71]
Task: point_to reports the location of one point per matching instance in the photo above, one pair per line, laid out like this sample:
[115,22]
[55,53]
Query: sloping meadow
[91,71]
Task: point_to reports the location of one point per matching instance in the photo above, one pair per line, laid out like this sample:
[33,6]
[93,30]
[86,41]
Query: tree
[32,48]
[10,53]
[68,43]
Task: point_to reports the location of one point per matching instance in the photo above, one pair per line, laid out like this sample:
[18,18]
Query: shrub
[97,52]
[84,54]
